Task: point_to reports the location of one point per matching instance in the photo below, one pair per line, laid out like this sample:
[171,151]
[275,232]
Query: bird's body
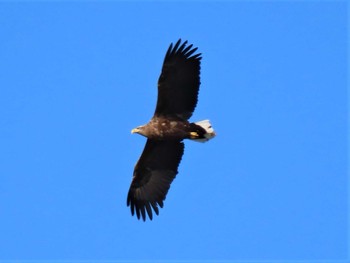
[178,87]
[169,129]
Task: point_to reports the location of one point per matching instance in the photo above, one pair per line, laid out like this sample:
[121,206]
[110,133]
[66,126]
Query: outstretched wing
[178,84]
[153,174]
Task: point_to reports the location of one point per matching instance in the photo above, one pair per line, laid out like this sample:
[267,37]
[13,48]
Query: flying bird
[178,87]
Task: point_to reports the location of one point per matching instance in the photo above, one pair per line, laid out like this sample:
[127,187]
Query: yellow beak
[136,130]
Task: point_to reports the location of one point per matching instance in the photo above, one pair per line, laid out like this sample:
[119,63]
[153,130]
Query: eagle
[178,87]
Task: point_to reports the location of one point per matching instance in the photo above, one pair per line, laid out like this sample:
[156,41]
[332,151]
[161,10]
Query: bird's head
[139,130]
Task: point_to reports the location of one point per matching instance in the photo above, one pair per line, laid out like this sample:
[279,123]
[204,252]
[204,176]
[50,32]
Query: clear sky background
[76,77]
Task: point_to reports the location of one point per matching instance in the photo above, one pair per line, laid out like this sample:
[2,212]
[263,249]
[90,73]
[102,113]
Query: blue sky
[76,77]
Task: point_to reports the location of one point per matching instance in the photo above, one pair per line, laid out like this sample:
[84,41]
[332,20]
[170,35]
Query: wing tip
[182,50]
[143,209]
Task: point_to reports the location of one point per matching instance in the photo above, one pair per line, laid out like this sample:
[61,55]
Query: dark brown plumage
[178,87]
[178,84]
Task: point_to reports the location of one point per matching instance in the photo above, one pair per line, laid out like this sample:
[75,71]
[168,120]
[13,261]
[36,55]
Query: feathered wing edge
[186,52]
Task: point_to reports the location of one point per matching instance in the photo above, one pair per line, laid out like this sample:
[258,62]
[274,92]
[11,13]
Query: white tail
[210,133]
